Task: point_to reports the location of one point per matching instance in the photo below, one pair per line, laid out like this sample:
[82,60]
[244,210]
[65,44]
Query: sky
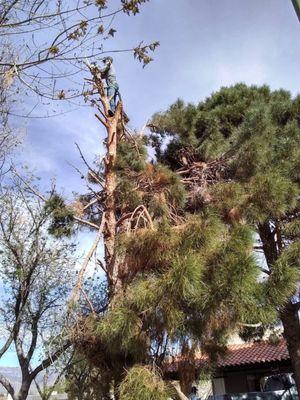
[205,44]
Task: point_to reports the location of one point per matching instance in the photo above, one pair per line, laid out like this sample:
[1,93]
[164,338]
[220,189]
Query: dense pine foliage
[226,176]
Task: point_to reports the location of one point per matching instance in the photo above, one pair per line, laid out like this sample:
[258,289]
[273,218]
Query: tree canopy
[239,150]
[187,224]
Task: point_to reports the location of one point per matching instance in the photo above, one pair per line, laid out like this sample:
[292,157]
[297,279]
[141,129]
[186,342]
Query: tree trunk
[24,389]
[111,124]
[290,320]
[110,207]
[289,315]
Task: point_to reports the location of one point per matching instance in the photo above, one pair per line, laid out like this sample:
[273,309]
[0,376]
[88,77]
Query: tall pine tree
[239,153]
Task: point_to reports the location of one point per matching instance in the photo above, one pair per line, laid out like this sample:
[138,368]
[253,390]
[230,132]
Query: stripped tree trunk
[110,203]
[111,124]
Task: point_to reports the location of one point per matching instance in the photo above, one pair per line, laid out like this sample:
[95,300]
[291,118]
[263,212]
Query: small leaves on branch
[61,95]
[142,52]
[101,3]
[112,32]
[79,32]
[101,29]
[132,6]
[54,50]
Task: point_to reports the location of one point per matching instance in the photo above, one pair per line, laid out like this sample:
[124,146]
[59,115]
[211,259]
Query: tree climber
[108,73]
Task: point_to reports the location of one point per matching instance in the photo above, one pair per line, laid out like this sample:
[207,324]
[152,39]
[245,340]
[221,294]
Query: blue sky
[205,44]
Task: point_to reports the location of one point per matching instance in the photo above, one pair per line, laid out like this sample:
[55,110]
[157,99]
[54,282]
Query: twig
[85,222]
[251,325]
[87,299]
[101,120]
[75,294]
[33,190]
[141,208]
[84,160]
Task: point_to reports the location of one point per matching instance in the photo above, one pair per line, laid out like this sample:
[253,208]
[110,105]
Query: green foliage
[177,121]
[270,196]
[191,276]
[291,230]
[263,197]
[259,132]
[195,285]
[233,284]
[256,134]
[120,332]
[139,182]
[62,217]
[204,267]
[127,197]
[85,382]
[148,250]
[284,278]
[130,157]
[229,196]
[175,192]
[145,384]
[240,119]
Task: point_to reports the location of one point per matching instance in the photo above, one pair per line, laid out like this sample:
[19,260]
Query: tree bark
[111,124]
[110,202]
[289,315]
[7,385]
[24,389]
[291,324]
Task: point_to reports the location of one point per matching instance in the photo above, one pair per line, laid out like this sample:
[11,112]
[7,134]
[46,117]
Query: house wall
[219,386]
[246,380]
[236,382]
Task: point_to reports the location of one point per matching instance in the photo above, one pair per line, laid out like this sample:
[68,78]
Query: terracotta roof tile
[252,353]
[245,354]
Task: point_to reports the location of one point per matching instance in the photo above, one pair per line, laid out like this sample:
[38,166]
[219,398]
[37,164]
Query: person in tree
[108,73]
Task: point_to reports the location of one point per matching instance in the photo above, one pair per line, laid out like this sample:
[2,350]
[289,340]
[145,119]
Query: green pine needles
[225,182]
[62,223]
[145,384]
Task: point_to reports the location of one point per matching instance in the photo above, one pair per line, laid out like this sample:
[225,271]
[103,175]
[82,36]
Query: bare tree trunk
[110,202]
[289,315]
[24,389]
[291,324]
[111,124]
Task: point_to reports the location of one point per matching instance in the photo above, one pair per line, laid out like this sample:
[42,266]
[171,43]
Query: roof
[244,354]
[253,353]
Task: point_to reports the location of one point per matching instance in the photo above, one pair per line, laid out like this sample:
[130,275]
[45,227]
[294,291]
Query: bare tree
[9,138]
[36,277]
[53,377]
[51,39]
